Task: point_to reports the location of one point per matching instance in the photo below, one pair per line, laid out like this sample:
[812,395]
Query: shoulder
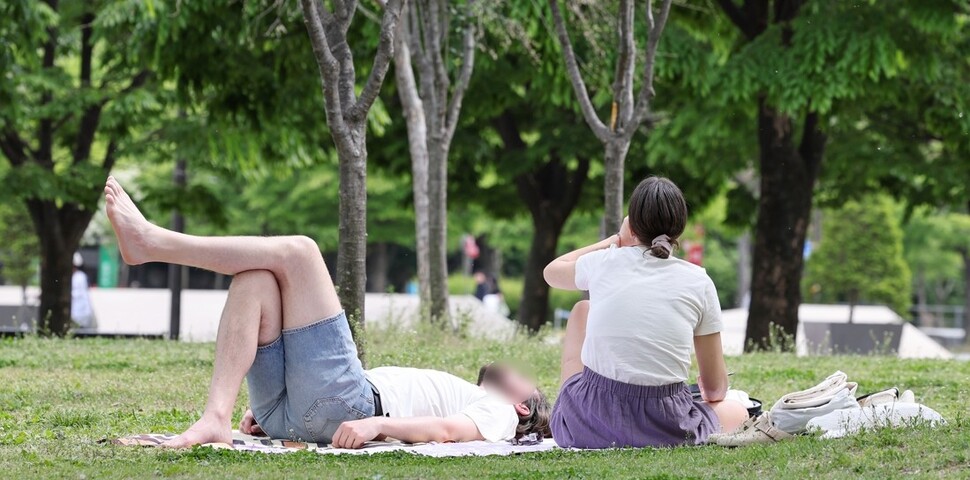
[688,269]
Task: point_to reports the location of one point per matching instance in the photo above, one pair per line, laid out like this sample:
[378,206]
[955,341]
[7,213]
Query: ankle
[213,417]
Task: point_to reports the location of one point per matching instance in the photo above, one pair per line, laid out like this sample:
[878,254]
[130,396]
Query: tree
[626,115]
[807,80]
[936,267]
[432,104]
[346,114]
[18,248]
[74,92]
[860,257]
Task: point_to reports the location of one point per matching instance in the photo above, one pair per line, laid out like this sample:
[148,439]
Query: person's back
[644,314]
[627,351]
[415,392]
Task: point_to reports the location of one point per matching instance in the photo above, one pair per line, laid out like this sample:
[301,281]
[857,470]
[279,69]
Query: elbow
[445,434]
[715,393]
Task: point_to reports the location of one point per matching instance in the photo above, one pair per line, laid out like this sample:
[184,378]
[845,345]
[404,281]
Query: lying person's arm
[561,272]
[456,428]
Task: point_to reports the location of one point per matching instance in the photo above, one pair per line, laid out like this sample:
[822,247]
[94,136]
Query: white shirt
[80,302]
[415,392]
[644,314]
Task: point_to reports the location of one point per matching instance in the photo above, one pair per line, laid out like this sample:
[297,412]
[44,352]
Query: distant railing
[944,323]
[939,316]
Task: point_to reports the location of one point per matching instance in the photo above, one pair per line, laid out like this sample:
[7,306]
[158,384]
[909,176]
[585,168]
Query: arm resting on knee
[713,378]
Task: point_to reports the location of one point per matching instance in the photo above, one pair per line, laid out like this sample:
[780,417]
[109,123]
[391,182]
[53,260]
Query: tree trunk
[966,295]
[414,117]
[377,266]
[744,270]
[59,231]
[175,271]
[54,317]
[534,307]
[438,232]
[616,151]
[921,301]
[788,175]
[352,245]
[550,191]
[853,300]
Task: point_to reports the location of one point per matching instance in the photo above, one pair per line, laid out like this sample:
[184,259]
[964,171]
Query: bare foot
[206,430]
[134,232]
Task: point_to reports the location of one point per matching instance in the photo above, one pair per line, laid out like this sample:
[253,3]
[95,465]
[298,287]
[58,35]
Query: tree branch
[92,114]
[739,18]
[385,52]
[575,77]
[464,75]
[45,130]
[433,18]
[110,156]
[653,40]
[329,69]
[622,111]
[13,147]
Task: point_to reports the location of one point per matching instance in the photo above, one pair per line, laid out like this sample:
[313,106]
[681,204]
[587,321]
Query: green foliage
[931,240]
[860,256]
[710,226]
[18,244]
[888,77]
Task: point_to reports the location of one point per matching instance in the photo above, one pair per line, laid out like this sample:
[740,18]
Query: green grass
[59,397]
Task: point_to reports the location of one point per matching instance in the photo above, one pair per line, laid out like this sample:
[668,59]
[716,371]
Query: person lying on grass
[284,330]
[627,351]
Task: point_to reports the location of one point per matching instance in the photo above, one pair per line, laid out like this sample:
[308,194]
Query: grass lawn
[58,397]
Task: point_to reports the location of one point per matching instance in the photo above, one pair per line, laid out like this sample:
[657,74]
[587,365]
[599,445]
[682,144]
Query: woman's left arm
[713,378]
[561,272]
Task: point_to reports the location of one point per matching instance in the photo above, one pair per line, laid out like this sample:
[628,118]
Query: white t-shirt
[415,392]
[644,314]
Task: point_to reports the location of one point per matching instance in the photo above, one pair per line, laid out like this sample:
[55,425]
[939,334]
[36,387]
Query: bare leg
[572,347]
[253,315]
[305,286]
[729,413]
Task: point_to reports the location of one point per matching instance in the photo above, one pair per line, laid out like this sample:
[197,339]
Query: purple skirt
[593,411]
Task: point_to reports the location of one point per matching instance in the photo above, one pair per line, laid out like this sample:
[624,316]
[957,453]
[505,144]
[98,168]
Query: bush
[860,257]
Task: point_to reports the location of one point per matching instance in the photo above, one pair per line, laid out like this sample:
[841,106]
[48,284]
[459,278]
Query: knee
[299,248]
[255,281]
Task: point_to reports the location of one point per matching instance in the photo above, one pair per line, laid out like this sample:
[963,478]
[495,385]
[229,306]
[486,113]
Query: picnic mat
[249,443]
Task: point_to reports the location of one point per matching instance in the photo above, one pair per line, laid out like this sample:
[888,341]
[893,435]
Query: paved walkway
[145,311]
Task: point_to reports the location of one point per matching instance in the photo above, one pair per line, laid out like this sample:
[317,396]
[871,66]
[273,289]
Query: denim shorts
[303,385]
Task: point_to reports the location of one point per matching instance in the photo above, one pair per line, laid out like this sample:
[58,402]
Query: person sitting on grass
[283,329]
[627,350]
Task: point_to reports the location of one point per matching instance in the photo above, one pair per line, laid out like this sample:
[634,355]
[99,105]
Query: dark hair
[537,421]
[658,208]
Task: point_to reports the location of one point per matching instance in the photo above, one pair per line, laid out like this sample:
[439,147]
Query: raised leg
[306,290]
[253,315]
[572,348]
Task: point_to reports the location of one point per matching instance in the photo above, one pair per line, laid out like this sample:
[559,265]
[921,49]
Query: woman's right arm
[713,378]
[561,272]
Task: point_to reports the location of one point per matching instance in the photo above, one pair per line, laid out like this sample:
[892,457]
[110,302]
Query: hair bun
[660,246]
